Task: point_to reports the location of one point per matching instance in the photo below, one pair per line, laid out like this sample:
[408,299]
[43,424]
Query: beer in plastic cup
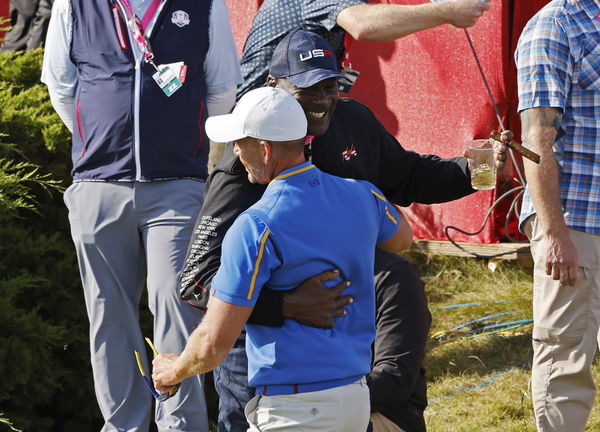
[482,166]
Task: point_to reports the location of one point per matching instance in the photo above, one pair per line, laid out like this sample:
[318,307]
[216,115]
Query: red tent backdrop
[241,14]
[428,92]
[4,13]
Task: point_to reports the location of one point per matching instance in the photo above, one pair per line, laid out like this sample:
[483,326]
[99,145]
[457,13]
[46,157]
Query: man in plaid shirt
[558,62]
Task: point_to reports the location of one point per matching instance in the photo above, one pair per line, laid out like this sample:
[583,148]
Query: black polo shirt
[357,146]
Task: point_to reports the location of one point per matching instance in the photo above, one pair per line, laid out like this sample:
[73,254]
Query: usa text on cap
[304,58]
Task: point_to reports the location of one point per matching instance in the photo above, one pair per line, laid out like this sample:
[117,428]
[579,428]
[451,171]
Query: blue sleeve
[247,260]
[389,221]
[544,65]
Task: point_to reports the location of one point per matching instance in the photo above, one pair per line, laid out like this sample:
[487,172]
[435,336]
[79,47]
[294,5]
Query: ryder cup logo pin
[180,18]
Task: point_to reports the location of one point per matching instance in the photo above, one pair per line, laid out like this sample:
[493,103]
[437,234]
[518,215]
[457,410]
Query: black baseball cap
[304,58]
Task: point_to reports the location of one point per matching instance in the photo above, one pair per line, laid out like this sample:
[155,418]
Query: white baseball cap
[266,113]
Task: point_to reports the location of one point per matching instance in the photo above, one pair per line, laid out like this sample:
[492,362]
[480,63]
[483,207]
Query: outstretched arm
[386,22]
[207,347]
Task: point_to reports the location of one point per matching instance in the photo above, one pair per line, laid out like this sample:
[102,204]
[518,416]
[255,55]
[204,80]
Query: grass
[480,383]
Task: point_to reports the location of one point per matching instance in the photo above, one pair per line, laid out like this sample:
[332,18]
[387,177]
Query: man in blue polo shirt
[306,222]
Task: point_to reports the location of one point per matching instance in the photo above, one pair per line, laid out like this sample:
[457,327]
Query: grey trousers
[565,336]
[127,235]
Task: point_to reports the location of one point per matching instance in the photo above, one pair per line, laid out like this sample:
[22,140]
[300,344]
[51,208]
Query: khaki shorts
[383,424]
[345,408]
[565,335]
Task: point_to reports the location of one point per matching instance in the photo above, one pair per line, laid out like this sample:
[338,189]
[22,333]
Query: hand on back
[315,305]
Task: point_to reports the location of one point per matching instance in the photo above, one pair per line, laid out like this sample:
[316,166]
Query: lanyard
[347,44]
[137,30]
[308,147]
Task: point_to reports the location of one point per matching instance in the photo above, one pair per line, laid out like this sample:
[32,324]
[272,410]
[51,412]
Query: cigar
[523,151]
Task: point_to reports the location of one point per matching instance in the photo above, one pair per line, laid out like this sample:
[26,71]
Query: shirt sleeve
[58,72]
[248,259]
[220,103]
[326,11]
[63,105]
[389,221]
[544,66]
[405,176]
[222,64]
[408,177]
[227,194]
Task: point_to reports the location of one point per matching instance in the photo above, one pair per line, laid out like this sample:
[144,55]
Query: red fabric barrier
[241,14]
[428,92]
[4,13]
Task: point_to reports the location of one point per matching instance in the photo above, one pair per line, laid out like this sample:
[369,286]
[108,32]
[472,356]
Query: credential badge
[180,18]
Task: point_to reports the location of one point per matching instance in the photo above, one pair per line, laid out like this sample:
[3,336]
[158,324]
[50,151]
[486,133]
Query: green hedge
[44,353]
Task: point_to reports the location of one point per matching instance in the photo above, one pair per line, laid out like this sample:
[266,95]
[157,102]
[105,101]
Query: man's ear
[271,81]
[266,151]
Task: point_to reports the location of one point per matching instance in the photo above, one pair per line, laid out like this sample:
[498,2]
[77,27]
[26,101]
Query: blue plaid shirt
[558,63]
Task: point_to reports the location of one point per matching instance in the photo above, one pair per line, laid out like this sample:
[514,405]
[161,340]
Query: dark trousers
[231,383]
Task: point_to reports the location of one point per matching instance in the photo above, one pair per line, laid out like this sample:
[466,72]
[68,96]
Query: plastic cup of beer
[482,166]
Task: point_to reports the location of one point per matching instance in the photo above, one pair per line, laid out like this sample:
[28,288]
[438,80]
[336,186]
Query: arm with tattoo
[540,129]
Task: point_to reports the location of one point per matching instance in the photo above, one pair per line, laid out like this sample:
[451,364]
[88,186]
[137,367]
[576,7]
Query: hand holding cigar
[523,151]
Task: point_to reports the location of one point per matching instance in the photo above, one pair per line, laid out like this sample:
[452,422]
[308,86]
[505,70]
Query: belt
[288,389]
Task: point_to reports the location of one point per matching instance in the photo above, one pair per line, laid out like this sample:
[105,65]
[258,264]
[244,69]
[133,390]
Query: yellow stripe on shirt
[392,218]
[387,211]
[378,196]
[257,264]
[298,171]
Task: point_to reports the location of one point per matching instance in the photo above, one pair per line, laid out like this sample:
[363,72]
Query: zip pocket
[119,27]
[79,128]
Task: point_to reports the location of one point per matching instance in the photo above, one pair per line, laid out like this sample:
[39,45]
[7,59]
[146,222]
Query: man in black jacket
[349,142]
